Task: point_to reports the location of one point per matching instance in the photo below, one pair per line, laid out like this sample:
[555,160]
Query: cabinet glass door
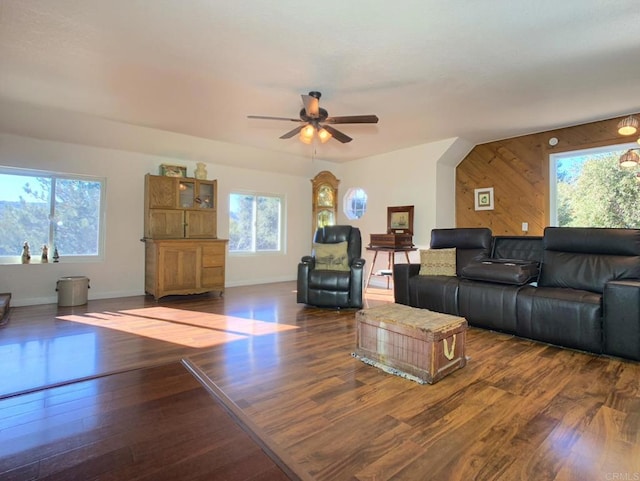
[325,217]
[205,196]
[187,194]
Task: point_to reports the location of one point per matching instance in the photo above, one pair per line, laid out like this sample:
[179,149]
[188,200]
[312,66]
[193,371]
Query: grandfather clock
[325,200]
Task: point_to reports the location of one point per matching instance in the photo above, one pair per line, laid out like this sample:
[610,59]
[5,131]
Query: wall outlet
[525,227]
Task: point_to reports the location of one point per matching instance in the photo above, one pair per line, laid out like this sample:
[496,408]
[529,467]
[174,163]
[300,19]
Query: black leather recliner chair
[333,288]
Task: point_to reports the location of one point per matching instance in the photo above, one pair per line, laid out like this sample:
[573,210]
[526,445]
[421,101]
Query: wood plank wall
[518,171]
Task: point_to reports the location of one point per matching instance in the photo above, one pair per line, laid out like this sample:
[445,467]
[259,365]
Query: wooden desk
[391,251]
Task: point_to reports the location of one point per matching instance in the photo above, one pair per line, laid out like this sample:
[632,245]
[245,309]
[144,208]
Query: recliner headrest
[593,240]
[461,238]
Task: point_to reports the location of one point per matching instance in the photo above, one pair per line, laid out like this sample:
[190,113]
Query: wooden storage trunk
[425,344]
[391,240]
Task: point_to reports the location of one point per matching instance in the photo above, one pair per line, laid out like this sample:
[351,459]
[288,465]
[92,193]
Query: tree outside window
[592,190]
[59,211]
[255,223]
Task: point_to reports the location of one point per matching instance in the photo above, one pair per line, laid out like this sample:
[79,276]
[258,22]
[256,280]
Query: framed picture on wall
[400,220]
[483,198]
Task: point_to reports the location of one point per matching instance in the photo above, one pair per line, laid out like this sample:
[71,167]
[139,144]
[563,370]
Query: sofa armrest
[358,262]
[621,318]
[307,263]
[401,275]
[357,282]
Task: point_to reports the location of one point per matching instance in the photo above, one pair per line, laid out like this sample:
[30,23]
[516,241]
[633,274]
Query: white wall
[249,269]
[45,139]
[422,176]
[122,272]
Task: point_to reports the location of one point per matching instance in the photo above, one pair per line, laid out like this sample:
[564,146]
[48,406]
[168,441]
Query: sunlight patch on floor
[187,328]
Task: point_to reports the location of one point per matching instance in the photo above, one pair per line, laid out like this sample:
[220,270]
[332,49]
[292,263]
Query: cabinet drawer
[213,255]
[213,277]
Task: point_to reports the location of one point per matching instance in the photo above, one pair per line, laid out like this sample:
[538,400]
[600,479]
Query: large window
[590,189]
[255,223]
[64,212]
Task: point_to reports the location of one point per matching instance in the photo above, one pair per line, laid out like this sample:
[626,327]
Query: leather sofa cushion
[489,305]
[329,280]
[517,247]
[565,317]
[436,293]
[503,271]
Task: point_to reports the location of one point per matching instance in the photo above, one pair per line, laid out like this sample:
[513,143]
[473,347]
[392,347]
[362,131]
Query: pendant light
[629,159]
[628,125]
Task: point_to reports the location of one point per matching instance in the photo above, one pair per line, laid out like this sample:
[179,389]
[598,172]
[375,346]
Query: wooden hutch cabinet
[179,207]
[182,252]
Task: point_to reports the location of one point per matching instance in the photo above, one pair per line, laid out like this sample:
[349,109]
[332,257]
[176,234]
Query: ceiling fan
[314,119]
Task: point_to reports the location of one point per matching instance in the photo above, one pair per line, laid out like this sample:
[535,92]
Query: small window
[355,203]
[255,223]
[64,212]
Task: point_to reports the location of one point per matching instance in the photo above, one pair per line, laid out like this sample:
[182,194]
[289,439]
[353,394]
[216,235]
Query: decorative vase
[201,170]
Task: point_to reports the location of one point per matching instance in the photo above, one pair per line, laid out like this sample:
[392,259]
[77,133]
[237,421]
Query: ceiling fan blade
[266,117]
[339,136]
[311,105]
[293,132]
[353,119]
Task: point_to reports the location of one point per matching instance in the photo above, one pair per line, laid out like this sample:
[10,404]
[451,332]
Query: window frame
[282,227]
[53,176]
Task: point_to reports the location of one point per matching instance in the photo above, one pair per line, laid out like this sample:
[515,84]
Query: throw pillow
[438,262]
[332,257]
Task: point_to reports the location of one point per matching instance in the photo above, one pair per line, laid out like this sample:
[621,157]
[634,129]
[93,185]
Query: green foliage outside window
[255,223]
[49,210]
[593,191]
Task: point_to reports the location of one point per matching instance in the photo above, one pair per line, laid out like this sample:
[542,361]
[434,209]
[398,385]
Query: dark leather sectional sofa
[572,287]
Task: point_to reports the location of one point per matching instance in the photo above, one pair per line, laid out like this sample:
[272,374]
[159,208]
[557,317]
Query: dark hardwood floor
[156,423]
[284,373]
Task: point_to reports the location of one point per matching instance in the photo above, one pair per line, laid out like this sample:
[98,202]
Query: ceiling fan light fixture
[324,135]
[313,119]
[628,125]
[306,134]
[308,131]
[304,139]
[629,159]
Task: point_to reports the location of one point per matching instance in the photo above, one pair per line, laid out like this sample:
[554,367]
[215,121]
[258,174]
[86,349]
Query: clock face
[325,196]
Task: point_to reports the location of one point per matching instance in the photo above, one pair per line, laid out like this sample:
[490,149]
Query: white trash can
[72,290]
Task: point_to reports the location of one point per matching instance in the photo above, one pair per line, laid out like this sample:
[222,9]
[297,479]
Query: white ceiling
[430,69]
